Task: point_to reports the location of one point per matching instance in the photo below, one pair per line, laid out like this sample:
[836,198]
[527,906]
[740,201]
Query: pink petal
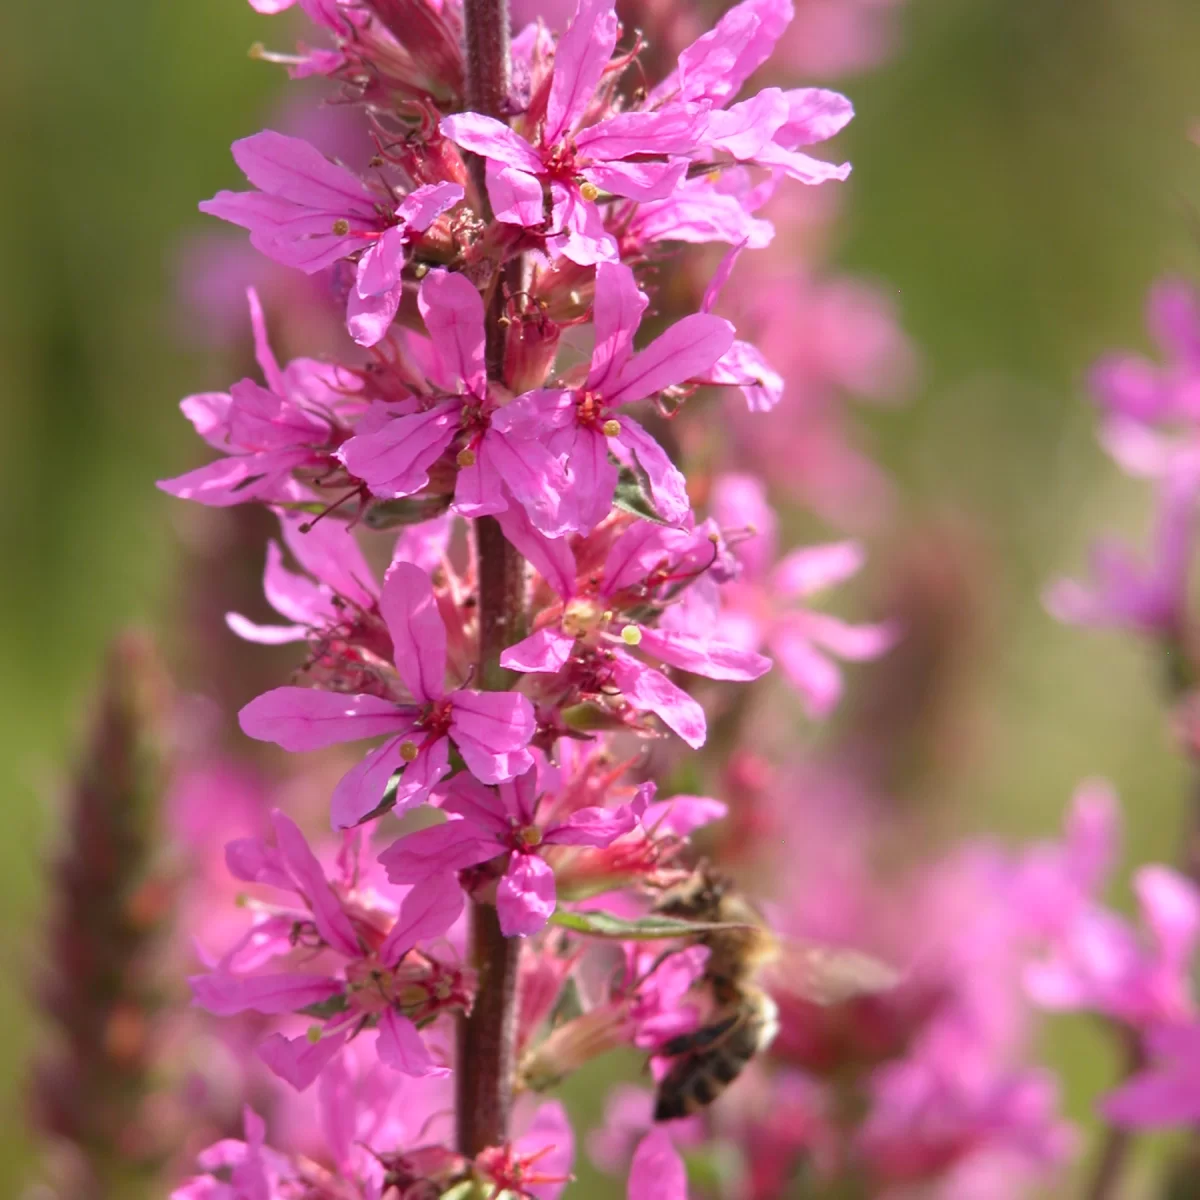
[550,557]
[491,731]
[668,487]
[702,656]
[651,691]
[616,314]
[395,460]
[801,167]
[593,475]
[682,815]
[525,897]
[478,490]
[453,312]
[803,572]
[427,912]
[380,268]
[330,552]
[235,480]
[224,995]
[534,478]
[686,350]
[579,225]
[263,355]
[360,791]
[422,206]
[855,643]
[402,1048]
[657,1171]
[814,676]
[293,596]
[743,130]
[715,66]
[551,1138]
[297,1060]
[517,197]
[641,181]
[368,318]
[252,860]
[582,54]
[423,774]
[306,719]
[672,130]
[418,633]
[451,846]
[209,415]
[328,915]
[265,635]
[1156,1099]
[493,139]
[1171,909]
[592,826]
[295,170]
[814,114]
[544,651]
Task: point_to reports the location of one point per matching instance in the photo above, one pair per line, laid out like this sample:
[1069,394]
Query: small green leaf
[653,927]
[408,510]
[323,1009]
[633,494]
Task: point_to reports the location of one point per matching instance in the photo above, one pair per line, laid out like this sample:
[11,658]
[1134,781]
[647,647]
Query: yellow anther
[421,270]
[531,835]
[313,1033]
[589,191]
[611,428]
[465,457]
[631,635]
[341,227]
[409,751]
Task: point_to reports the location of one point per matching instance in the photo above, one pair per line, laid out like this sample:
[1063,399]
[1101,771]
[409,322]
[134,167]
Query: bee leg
[704,1038]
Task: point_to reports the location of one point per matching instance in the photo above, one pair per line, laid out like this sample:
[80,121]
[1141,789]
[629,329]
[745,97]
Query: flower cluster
[506,373]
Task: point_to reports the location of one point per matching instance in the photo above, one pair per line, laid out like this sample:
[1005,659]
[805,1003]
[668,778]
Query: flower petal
[418,633]
[491,731]
[525,897]
[297,1060]
[544,651]
[685,351]
[493,139]
[582,54]
[452,309]
[307,719]
[328,915]
[427,912]
[401,1047]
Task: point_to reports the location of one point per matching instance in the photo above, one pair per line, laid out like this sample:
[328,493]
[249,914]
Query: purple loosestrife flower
[582,425]
[760,607]
[394,457]
[1151,599]
[372,982]
[489,729]
[587,638]
[657,1172]
[271,435]
[309,213]
[487,823]
[629,154]
[769,127]
[1167,1092]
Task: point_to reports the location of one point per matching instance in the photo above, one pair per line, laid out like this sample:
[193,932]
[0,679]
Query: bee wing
[828,975]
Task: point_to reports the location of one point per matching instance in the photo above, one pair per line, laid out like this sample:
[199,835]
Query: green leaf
[633,494]
[653,927]
[408,510]
[323,1009]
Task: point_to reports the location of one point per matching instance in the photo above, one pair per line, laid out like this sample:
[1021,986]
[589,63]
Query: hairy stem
[1104,1183]
[486,1039]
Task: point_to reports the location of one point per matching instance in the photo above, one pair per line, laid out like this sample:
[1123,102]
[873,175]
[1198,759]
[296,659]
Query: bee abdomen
[696,1079]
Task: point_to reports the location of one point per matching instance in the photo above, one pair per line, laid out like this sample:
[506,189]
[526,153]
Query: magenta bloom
[369,982]
[270,434]
[494,465]
[657,1172]
[1098,963]
[630,154]
[487,823]
[489,729]
[1167,1092]
[1151,599]
[309,213]
[757,608]
[589,637]
[582,425]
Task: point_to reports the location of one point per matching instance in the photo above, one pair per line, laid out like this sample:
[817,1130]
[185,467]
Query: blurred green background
[1022,172]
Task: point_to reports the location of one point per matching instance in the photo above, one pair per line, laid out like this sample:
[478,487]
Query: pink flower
[657,1171]
[629,154]
[309,213]
[489,729]
[371,983]
[537,1165]
[1098,963]
[487,823]
[271,434]
[588,638]
[1152,599]
[1167,1092]
[756,608]
[582,425]
[494,465]
[769,127]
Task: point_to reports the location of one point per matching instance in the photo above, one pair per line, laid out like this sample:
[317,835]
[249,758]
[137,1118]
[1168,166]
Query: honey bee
[744,1019]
